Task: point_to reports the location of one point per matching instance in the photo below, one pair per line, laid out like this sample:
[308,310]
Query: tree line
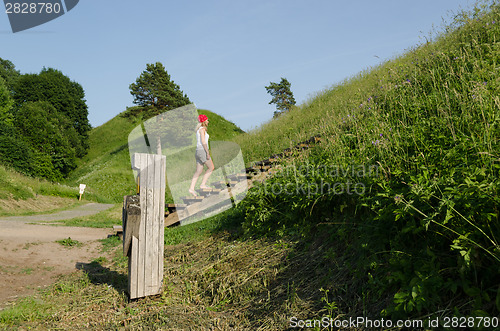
[44,124]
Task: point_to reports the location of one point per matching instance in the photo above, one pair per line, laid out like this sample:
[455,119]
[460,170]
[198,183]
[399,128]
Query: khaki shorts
[201,156]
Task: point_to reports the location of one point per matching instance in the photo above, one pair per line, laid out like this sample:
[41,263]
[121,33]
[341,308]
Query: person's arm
[204,143]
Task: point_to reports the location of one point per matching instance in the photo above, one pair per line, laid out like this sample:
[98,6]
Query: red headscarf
[202,118]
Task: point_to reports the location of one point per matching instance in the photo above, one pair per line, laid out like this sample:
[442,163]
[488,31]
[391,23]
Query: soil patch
[31,259]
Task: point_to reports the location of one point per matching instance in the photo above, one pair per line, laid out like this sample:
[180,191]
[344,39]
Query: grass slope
[20,194]
[106,168]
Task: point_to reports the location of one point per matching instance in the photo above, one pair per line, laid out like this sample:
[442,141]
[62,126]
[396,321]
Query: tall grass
[425,226]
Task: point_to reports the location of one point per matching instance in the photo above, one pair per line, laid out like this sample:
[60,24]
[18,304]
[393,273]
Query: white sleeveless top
[198,139]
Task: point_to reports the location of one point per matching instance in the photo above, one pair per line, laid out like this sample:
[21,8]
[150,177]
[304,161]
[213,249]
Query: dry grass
[216,283]
[34,205]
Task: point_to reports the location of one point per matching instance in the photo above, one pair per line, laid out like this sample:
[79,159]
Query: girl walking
[202,155]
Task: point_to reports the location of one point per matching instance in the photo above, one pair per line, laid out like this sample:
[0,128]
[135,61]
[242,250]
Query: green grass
[106,168]
[103,219]
[26,310]
[227,221]
[68,242]
[427,224]
[14,185]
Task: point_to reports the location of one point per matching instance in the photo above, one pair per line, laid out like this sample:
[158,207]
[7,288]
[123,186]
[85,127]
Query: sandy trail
[31,259]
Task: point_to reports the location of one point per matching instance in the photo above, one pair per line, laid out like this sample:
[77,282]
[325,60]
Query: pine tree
[282,96]
[154,88]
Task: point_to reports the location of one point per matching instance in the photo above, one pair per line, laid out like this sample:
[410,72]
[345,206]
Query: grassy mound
[106,168]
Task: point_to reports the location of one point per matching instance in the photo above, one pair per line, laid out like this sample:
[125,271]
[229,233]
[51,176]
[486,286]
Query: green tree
[6,103]
[154,89]
[66,96]
[8,72]
[15,151]
[282,96]
[46,131]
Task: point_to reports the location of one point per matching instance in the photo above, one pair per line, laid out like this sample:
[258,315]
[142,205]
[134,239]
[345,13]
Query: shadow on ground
[101,275]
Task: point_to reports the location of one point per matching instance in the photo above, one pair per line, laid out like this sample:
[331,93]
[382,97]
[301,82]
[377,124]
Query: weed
[68,242]
[26,271]
[110,243]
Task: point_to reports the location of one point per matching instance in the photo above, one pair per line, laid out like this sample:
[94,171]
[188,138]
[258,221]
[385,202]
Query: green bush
[15,152]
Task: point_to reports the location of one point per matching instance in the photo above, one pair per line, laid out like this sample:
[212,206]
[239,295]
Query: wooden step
[208,191]
[172,219]
[239,177]
[172,207]
[302,146]
[191,199]
[242,176]
[220,185]
[251,170]
[313,139]
[231,177]
[262,163]
[118,229]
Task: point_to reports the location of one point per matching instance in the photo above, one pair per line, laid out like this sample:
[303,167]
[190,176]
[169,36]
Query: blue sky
[221,53]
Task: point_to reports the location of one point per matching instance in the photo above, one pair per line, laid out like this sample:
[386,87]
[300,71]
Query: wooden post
[144,235]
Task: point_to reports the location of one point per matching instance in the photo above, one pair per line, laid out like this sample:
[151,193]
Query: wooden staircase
[234,183]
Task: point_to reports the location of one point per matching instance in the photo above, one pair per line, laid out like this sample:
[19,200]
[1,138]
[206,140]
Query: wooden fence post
[143,227]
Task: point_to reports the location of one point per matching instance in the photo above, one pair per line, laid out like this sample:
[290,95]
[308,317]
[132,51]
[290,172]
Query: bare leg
[197,173]
[207,174]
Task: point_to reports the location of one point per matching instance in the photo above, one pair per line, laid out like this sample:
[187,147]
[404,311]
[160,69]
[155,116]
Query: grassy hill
[394,215]
[421,231]
[106,168]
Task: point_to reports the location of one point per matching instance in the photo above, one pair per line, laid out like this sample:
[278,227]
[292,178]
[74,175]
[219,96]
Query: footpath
[31,258]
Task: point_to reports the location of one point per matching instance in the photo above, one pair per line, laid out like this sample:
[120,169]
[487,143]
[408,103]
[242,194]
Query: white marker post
[82,189]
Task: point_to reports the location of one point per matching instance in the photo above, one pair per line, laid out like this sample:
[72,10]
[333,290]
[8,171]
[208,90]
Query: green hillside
[106,168]
[15,187]
[406,181]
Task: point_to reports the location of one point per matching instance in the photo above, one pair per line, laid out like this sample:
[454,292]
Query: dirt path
[31,259]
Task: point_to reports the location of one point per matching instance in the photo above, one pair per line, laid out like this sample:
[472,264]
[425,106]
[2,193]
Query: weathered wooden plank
[146,238]
[161,225]
[131,222]
[171,219]
[152,265]
[210,201]
[137,161]
[141,259]
[133,271]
